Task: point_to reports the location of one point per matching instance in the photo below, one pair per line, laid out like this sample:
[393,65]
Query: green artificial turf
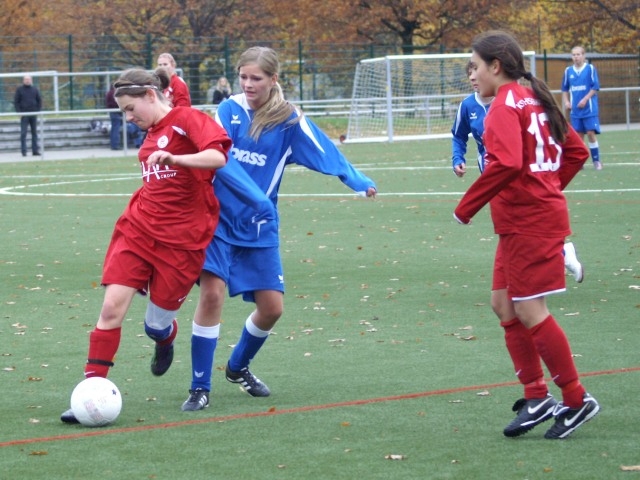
[387,363]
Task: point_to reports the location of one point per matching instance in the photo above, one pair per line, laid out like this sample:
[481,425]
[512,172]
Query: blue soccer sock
[203,346]
[594,148]
[251,340]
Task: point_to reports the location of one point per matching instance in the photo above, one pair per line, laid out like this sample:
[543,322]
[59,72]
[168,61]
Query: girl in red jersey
[531,156]
[158,244]
[177,92]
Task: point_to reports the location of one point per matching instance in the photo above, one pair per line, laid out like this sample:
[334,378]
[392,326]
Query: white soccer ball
[96,402]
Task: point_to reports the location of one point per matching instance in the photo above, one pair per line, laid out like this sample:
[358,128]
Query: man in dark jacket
[27,99]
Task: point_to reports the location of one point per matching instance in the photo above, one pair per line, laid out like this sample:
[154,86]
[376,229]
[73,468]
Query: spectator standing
[580,87]
[26,100]
[178,92]
[115,135]
[222,91]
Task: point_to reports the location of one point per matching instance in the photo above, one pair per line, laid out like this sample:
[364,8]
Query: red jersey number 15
[544,163]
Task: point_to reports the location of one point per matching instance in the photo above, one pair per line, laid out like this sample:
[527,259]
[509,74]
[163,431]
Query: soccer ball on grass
[96,402]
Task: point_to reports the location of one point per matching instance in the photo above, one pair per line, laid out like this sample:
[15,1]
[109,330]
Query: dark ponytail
[502,46]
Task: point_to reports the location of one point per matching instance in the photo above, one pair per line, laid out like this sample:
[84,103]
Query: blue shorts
[245,269]
[585,124]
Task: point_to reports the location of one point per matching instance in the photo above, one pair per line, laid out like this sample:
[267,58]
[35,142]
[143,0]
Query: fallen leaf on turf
[272,409]
[630,468]
[39,452]
[395,457]
[345,424]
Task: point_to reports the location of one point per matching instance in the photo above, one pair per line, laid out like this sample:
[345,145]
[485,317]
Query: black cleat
[569,419]
[529,414]
[68,417]
[162,359]
[198,400]
[163,355]
[248,382]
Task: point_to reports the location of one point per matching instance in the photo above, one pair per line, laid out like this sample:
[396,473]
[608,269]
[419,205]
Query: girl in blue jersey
[470,120]
[580,86]
[268,133]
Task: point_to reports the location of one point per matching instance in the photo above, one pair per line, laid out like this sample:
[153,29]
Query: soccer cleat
[248,381]
[163,354]
[571,262]
[68,417]
[162,359]
[198,400]
[529,414]
[569,419]
[597,165]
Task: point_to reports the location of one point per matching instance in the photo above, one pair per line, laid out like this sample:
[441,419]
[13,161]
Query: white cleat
[571,262]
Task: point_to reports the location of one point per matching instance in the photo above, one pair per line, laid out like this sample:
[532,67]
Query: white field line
[20,190]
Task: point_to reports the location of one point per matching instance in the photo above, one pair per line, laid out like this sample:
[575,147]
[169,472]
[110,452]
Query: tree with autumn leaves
[552,25]
[117,34]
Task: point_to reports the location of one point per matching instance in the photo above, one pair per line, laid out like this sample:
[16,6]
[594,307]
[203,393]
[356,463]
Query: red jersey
[178,92]
[176,205]
[525,170]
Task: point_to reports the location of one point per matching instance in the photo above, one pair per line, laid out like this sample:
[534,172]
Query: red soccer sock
[172,336]
[553,346]
[103,345]
[525,358]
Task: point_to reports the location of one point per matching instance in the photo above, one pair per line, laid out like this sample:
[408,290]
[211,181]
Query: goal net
[409,97]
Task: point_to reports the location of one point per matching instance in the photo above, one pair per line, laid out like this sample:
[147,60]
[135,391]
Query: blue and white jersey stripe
[262,165]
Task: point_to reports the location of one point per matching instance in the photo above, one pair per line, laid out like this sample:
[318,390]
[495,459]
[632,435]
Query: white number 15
[543,164]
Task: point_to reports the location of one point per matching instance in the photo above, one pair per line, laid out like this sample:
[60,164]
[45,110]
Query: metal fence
[310,71]
[73,72]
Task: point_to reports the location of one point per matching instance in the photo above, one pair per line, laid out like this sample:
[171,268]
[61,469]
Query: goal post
[409,97]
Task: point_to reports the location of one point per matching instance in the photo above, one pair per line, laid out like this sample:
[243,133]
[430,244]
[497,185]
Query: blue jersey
[303,143]
[469,120]
[578,84]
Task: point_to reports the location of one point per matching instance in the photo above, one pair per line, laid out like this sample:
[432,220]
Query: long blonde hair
[276,109]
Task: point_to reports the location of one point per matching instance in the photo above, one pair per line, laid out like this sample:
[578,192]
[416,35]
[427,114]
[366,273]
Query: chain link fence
[73,72]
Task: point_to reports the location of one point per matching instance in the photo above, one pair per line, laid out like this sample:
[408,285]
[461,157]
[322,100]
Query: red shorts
[529,267]
[135,260]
